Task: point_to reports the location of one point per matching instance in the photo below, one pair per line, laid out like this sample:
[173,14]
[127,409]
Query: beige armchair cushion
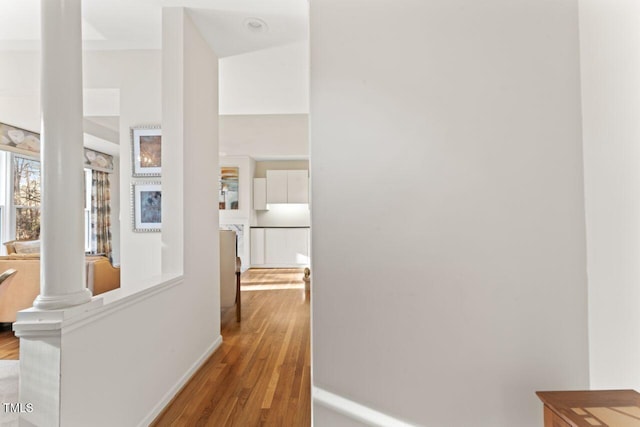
[11,245]
[19,290]
[27,247]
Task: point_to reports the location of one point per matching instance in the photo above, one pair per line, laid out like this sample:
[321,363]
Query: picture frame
[146,205]
[146,151]
[228,184]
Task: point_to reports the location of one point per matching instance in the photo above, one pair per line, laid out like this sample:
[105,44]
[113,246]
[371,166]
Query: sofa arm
[19,289]
[4,276]
[103,275]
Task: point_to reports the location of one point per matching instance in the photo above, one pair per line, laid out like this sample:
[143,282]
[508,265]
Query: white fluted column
[62,282]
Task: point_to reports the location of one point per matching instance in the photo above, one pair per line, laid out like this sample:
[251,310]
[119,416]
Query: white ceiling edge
[102,145]
[296,7]
[227,32]
[137,24]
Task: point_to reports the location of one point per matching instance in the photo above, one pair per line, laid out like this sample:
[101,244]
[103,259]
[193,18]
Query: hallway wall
[124,362]
[610,59]
[449,259]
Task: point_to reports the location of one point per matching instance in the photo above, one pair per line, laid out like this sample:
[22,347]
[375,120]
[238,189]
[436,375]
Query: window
[26,198]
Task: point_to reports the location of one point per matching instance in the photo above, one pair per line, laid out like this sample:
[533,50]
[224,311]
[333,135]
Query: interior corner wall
[190,120]
[610,63]
[173,138]
[137,355]
[200,168]
[448,230]
[137,75]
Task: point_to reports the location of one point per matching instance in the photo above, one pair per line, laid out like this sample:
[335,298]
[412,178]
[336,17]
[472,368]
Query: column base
[57,302]
[40,332]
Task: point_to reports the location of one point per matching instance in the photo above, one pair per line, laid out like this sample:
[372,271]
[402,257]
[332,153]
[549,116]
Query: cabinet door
[276,186]
[298,245]
[276,247]
[298,186]
[257,246]
[259,194]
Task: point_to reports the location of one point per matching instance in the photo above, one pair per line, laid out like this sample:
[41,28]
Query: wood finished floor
[261,374]
[9,345]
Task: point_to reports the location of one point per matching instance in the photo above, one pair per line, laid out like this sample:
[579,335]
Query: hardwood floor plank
[263,361]
[261,374]
[9,345]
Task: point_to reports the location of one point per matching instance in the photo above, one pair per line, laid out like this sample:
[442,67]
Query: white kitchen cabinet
[277,186]
[298,245]
[257,246]
[281,247]
[287,186]
[259,194]
[276,246]
[298,186]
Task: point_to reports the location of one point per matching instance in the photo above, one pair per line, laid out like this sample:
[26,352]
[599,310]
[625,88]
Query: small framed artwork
[228,188]
[146,202]
[146,144]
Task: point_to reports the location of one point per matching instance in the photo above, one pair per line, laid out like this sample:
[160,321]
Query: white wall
[121,366]
[610,59]
[448,208]
[268,81]
[277,136]
[20,89]
[137,75]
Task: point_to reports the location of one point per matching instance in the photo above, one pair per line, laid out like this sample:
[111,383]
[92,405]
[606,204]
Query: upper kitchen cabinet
[277,186]
[287,186]
[298,186]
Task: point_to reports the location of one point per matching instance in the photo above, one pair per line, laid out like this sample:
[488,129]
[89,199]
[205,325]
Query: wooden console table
[606,408]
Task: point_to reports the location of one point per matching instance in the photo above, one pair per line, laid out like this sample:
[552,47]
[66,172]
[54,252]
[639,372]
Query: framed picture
[146,145]
[146,202]
[228,188]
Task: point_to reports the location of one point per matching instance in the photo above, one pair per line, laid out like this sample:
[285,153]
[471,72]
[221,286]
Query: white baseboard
[354,410]
[181,383]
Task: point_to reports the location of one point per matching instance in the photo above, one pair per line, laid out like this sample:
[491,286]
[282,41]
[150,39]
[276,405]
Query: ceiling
[136,24]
